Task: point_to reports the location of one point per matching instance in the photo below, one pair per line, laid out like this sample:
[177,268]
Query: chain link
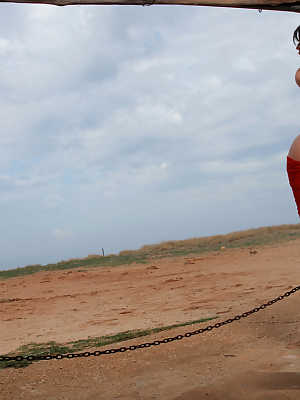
[156,342]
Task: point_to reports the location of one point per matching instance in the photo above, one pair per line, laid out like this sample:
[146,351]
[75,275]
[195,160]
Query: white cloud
[4,46]
[5,178]
[131,116]
[61,234]
[53,200]
[244,64]
[28,181]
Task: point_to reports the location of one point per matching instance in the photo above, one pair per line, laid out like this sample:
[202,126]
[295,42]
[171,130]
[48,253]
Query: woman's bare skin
[297,76]
[294,152]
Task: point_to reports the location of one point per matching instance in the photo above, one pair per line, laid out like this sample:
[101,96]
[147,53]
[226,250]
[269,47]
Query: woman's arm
[297,37]
[297,77]
[294,152]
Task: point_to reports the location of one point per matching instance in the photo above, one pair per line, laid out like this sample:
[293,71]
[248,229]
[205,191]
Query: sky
[127,125]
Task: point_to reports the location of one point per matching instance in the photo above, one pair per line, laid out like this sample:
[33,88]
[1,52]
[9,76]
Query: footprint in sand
[93,323]
[273,286]
[177,287]
[152,267]
[172,280]
[225,311]
[197,304]
[192,308]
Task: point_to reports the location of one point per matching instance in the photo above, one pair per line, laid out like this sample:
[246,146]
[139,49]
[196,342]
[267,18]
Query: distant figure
[293,157]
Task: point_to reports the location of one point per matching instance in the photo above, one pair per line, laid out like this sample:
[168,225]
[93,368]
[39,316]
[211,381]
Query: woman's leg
[293,170]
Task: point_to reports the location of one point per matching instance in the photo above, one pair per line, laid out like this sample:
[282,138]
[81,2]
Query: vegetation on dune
[53,348]
[242,239]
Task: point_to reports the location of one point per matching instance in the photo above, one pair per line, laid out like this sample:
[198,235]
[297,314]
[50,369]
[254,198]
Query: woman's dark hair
[296,35]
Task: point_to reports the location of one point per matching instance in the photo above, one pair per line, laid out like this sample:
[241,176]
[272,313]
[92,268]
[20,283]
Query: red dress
[293,170]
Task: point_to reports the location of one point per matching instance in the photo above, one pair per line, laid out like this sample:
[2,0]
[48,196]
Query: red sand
[257,357]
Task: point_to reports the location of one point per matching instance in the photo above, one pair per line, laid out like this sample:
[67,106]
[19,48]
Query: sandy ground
[257,357]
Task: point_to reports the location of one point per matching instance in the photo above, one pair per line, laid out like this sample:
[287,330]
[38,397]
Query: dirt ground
[257,357]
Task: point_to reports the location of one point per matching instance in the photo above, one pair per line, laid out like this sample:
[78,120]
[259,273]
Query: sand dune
[257,357]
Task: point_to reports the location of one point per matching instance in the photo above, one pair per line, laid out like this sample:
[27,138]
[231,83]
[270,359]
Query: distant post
[102,251]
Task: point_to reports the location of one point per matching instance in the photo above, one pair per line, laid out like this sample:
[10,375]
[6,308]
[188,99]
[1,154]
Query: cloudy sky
[127,125]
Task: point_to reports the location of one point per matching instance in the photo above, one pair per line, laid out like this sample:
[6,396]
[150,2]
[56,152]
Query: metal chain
[156,342]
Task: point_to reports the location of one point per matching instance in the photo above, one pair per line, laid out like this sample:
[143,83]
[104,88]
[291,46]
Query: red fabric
[293,170]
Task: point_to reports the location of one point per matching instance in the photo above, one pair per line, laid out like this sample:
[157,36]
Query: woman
[293,157]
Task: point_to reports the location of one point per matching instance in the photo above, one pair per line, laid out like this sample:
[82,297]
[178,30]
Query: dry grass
[270,234]
[240,239]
